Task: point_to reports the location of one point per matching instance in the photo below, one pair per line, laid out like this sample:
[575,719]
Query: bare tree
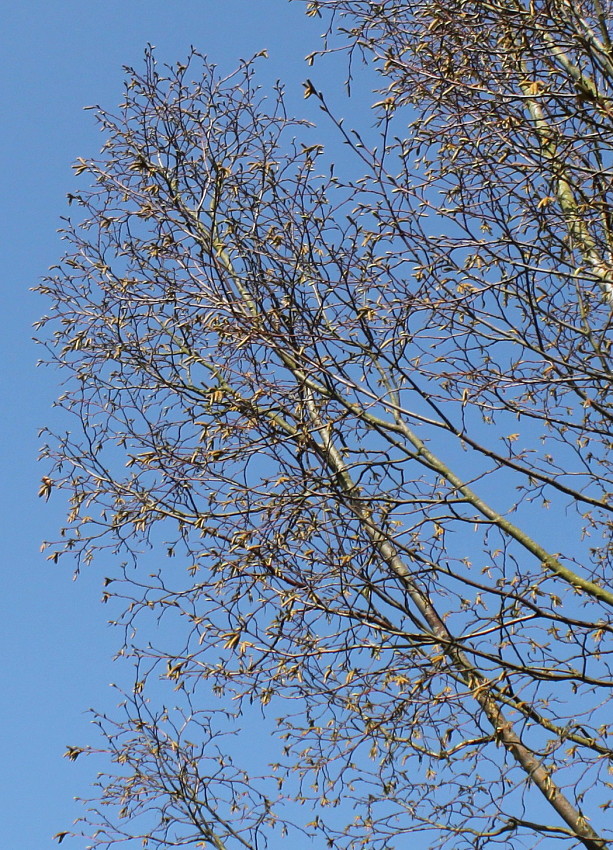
[370,418]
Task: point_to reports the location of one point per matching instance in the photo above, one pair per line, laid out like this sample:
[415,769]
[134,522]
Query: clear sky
[58,57]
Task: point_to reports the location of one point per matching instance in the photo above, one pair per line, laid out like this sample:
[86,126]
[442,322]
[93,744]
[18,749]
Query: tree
[371,417]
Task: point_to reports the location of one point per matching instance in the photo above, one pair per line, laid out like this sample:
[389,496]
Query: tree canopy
[368,420]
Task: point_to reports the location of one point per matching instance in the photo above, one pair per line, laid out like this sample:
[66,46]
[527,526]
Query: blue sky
[59,57]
